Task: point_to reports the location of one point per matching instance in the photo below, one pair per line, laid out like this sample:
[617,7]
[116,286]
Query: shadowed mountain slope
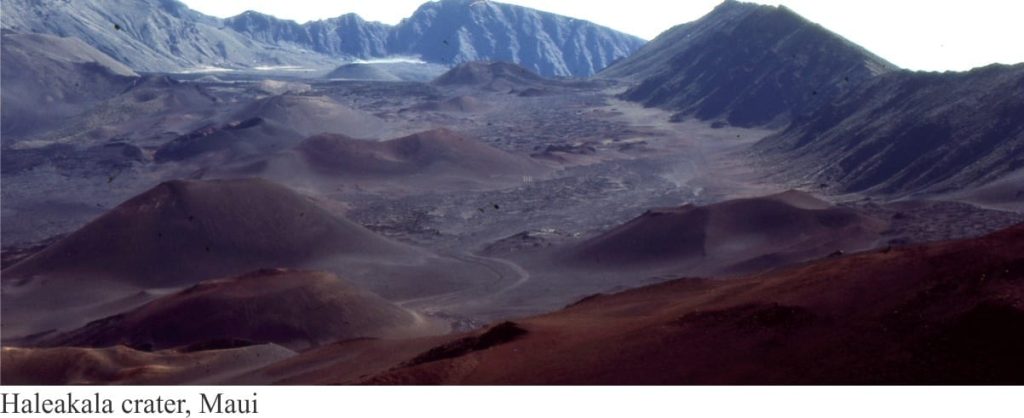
[747,65]
[911,132]
[46,78]
[183,231]
[250,138]
[733,236]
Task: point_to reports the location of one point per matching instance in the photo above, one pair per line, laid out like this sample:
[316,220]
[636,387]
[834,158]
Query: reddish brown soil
[438,151]
[935,314]
[735,236]
[181,232]
[296,309]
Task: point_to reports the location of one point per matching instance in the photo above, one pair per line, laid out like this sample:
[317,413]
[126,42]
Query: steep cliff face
[457,31]
[165,35]
[747,65]
[150,35]
[346,35]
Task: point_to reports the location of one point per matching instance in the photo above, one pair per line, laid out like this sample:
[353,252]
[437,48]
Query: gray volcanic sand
[577,163]
[182,232]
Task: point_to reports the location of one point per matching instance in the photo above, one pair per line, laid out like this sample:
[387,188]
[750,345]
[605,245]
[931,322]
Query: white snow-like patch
[206,69]
[281,68]
[391,60]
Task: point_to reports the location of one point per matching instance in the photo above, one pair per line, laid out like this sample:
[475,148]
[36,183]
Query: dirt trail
[507,276]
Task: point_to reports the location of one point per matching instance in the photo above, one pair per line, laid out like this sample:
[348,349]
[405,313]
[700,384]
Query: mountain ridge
[747,65]
[167,36]
[954,130]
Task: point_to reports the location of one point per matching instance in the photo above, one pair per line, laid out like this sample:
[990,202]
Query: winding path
[504,271]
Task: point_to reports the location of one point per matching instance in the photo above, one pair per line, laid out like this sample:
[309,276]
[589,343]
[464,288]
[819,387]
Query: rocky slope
[907,132]
[346,35]
[183,231]
[458,31]
[150,35]
[747,65]
[46,78]
[167,36]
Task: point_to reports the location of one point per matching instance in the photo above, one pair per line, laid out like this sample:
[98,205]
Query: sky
[932,35]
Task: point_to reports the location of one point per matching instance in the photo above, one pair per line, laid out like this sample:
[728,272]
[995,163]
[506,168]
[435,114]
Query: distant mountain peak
[747,65]
[467,3]
[349,17]
[908,133]
[252,13]
[167,36]
[174,6]
[737,5]
[457,31]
